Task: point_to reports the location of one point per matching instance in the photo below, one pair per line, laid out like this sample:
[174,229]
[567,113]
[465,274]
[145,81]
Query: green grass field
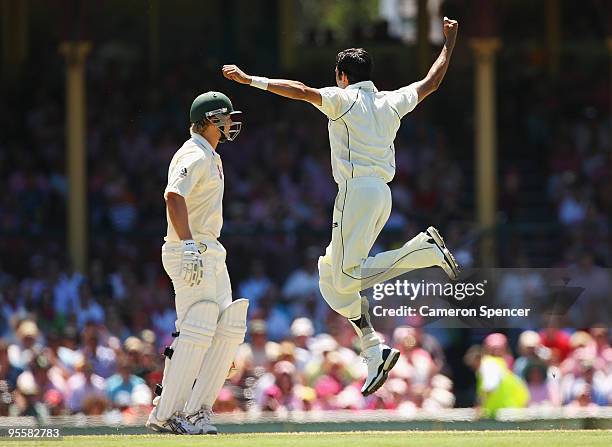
[582,438]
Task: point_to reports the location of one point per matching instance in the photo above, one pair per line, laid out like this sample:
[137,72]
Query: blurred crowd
[90,342]
[93,372]
[579,186]
[550,368]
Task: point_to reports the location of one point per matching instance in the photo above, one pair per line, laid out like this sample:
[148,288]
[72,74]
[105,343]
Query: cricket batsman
[362,126]
[209,325]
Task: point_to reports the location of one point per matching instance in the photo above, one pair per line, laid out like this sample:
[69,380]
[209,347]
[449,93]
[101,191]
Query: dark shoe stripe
[448,257]
[382,373]
[395,357]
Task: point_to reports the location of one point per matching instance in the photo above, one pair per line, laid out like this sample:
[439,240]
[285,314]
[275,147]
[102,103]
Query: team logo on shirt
[183,173]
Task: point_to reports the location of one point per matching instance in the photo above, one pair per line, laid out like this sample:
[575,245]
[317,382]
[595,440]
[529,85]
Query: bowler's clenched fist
[232,72]
[450,29]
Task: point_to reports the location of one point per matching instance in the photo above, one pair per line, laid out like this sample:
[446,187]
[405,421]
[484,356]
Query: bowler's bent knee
[346,304]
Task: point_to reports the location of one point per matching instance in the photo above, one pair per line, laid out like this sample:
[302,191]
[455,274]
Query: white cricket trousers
[361,209]
[215,285]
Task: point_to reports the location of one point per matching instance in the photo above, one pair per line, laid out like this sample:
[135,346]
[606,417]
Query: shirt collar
[201,141]
[365,85]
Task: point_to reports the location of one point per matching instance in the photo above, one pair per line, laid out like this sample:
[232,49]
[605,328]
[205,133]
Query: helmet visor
[226,123]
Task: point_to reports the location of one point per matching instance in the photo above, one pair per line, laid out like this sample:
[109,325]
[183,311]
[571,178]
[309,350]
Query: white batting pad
[166,369]
[196,334]
[230,333]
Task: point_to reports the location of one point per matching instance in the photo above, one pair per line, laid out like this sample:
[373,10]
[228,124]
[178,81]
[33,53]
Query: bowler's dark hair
[356,64]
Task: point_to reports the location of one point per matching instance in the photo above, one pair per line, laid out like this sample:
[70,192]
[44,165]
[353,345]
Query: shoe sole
[451,263]
[158,428]
[161,429]
[390,362]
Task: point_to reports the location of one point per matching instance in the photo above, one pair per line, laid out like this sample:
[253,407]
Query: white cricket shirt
[362,126]
[196,173]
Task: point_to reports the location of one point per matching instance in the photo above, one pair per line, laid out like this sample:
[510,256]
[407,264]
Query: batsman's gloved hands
[192,265]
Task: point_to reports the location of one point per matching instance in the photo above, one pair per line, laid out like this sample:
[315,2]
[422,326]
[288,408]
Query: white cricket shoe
[380,360]
[177,424]
[450,265]
[201,420]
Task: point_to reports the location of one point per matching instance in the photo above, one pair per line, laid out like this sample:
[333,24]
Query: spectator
[535,374]
[587,377]
[497,387]
[496,345]
[597,284]
[119,387]
[66,293]
[139,405]
[11,306]
[82,385]
[54,400]
[529,349]
[558,341]
[302,286]
[27,397]
[415,361]
[95,405]
[102,358]
[281,396]
[46,376]
[256,287]
[226,402]
[572,209]
[21,353]
[582,397]
[301,331]
[89,310]
[602,344]
[8,372]
[259,351]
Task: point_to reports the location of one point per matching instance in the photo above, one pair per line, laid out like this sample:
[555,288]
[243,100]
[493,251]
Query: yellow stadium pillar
[486,141]
[75,53]
[14,37]
[286,33]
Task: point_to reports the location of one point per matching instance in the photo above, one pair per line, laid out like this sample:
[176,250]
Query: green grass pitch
[582,438]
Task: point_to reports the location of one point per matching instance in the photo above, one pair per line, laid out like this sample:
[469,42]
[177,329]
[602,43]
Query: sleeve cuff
[325,102]
[173,189]
[414,98]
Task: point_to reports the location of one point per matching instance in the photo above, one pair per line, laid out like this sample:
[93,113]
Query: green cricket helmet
[216,108]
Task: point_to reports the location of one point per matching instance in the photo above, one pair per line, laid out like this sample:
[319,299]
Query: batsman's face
[228,125]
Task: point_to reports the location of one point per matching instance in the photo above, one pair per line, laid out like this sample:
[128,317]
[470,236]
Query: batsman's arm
[282,87]
[436,73]
[177,211]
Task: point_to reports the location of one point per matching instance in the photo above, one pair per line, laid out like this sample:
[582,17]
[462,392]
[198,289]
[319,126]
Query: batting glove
[192,265]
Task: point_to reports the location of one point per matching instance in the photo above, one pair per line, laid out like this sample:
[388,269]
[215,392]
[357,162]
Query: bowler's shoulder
[331,92]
